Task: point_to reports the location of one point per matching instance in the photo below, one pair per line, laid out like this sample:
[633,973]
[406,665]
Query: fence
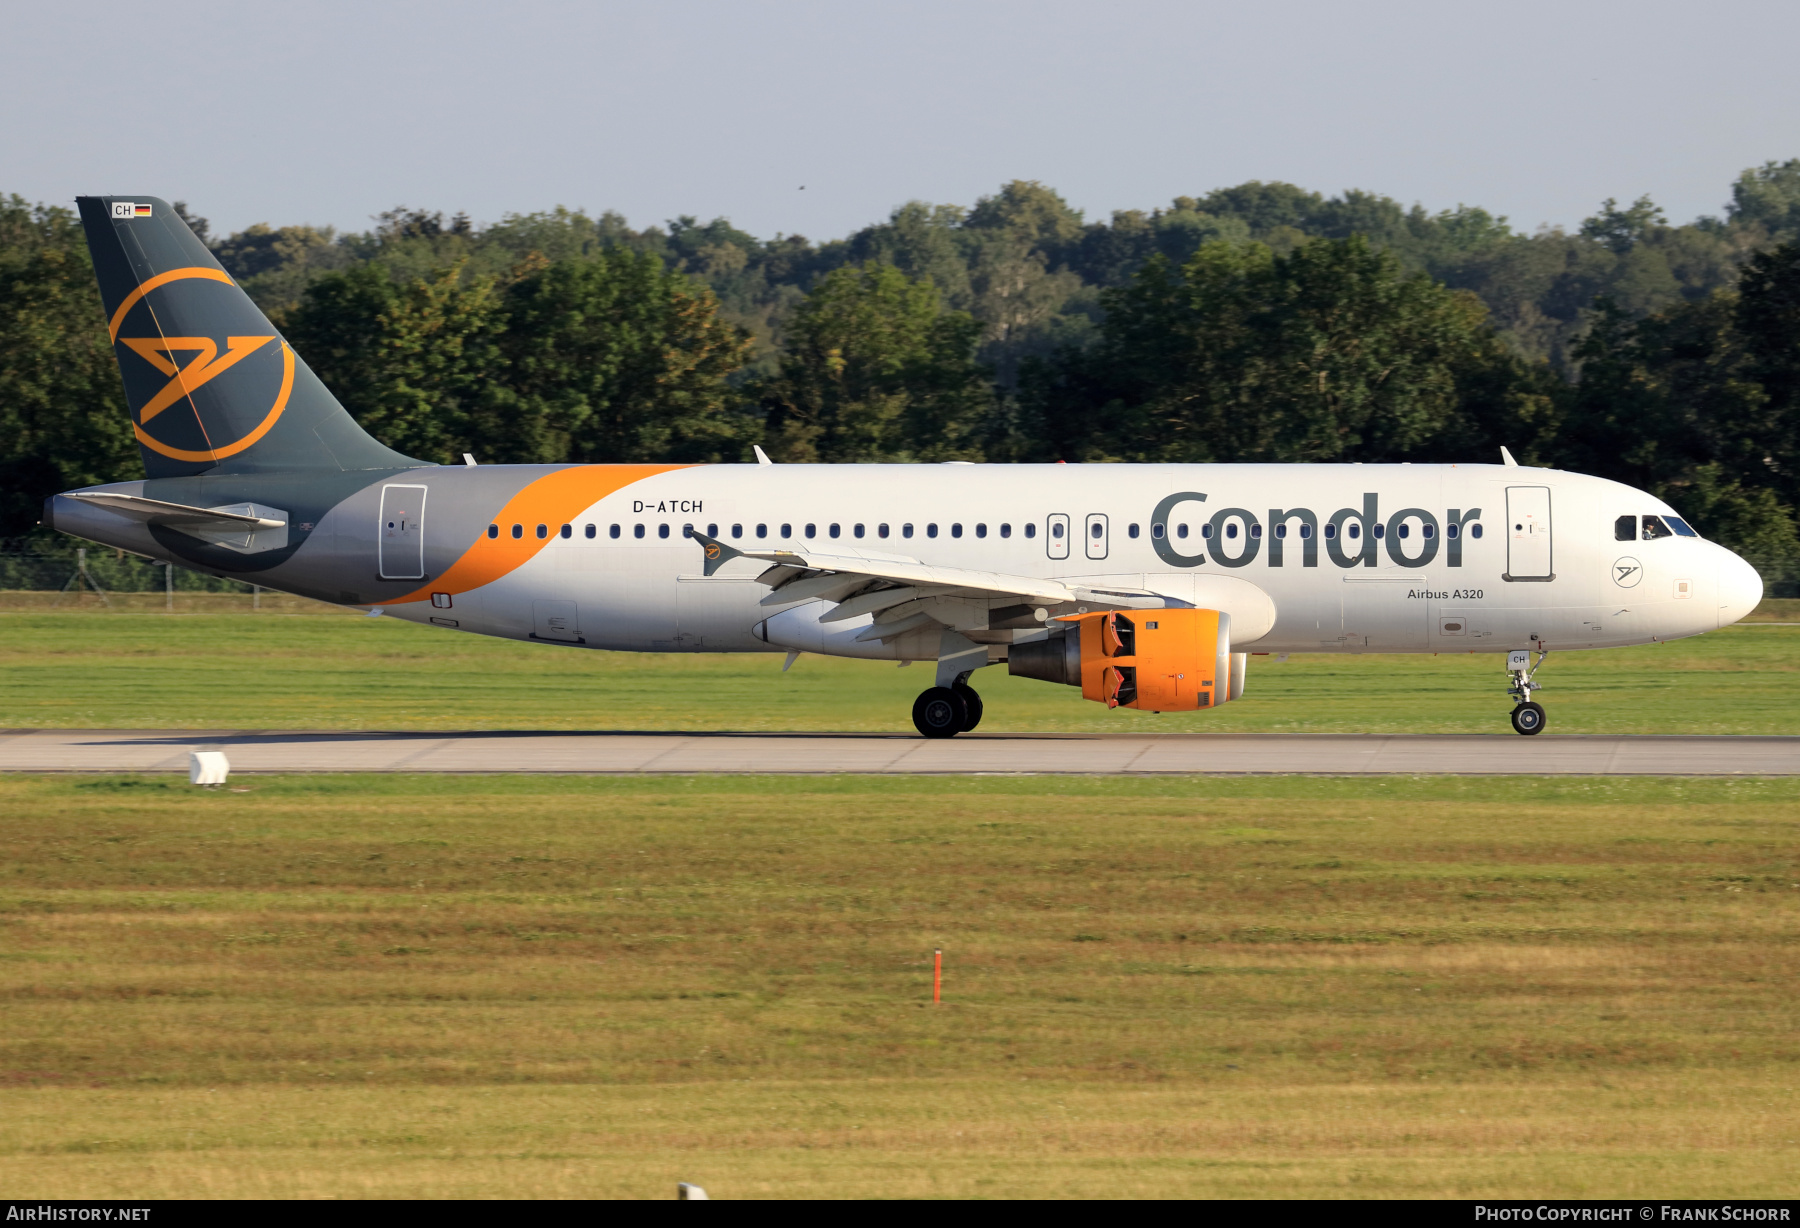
[94,576]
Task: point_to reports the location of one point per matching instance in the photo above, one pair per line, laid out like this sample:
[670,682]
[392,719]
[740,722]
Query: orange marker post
[937,977]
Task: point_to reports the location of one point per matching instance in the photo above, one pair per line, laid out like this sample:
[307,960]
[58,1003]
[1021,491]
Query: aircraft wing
[901,592]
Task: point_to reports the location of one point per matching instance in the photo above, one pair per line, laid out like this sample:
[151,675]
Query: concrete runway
[63,750]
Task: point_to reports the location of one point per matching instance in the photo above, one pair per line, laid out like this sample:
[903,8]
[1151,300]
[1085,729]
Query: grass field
[602,986]
[286,670]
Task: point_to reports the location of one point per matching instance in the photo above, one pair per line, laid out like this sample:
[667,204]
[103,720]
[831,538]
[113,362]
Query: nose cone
[1740,588]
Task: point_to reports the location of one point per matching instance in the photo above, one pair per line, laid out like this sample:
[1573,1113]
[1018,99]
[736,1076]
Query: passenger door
[1528,552]
[400,537]
[1056,535]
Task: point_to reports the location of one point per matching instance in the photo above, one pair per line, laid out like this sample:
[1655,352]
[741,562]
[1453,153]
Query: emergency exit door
[1056,535]
[1095,538]
[1528,553]
[400,537]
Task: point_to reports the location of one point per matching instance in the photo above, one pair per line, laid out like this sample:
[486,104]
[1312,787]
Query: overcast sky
[331,112]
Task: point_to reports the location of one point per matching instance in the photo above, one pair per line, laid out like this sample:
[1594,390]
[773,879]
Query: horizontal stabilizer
[176,515]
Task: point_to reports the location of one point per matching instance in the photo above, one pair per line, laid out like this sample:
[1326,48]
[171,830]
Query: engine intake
[1152,660]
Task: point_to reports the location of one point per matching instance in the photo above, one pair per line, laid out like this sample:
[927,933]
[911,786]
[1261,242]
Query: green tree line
[1260,322]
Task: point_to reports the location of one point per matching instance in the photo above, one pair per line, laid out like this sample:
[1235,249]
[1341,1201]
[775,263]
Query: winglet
[762,458]
[716,552]
[1506,458]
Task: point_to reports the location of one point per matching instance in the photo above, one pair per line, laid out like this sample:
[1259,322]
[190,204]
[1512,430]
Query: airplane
[1146,586]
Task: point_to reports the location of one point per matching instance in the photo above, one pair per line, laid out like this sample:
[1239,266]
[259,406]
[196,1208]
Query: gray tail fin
[212,387]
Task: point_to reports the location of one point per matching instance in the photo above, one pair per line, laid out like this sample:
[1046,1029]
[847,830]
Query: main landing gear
[945,711]
[1528,716]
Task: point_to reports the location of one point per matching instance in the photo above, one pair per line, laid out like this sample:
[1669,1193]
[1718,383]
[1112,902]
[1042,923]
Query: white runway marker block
[208,767]
[687,1193]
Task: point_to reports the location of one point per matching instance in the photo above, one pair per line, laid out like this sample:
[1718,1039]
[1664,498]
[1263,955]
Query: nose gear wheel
[1528,718]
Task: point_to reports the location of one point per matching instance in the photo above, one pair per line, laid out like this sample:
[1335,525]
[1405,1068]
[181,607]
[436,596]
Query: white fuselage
[1466,558]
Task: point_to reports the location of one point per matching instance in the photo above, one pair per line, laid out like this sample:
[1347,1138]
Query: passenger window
[1405,531]
[1156,531]
[493,530]
[1255,530]
[834,530]
[980,530]
[905,530]
[1005,530]
[1056,531]
[1625,529]
[1681,527]
[543,531]
[1379,530]
[1031,530]
[614,531]
[737,530]
[1354,531]
[1475,529]
[1428,530]
[956,530]
[1230,529]
[1205,531]
[1130,530]
[1281,529]
[568,531]
[1305,531]
[687,530]
[637,530]
[1655,528]
[712,530]
[812,530]
[762,530]
[1330,532]
[589,533]
[662,530]
[857,531]
[1181,530]
[787,530]
[881,530]
[930,530]
[518,531]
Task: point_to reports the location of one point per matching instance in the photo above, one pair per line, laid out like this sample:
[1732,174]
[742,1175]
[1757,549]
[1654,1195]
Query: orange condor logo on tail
[168,355]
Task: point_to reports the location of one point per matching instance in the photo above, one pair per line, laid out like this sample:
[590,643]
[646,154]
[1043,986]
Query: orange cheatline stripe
[219,454]
[553,500]
[161,279]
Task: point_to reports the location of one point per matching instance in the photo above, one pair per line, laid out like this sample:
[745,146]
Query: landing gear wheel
[940,713]
[971,702]
[1528,718]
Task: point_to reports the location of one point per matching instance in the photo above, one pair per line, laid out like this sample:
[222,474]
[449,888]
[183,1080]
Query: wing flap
[890,567]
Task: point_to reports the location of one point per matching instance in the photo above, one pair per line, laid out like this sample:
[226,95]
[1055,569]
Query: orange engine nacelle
[1152,660]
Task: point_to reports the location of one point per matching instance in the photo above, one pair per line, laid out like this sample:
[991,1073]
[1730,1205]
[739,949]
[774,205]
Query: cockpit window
[1681,527]
[1625,529]
[1655,528]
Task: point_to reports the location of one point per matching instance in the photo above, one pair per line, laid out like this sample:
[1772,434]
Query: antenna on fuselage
[762,458]
[1506,458]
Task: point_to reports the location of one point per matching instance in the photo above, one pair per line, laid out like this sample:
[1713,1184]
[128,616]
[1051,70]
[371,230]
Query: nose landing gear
[1528,715]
